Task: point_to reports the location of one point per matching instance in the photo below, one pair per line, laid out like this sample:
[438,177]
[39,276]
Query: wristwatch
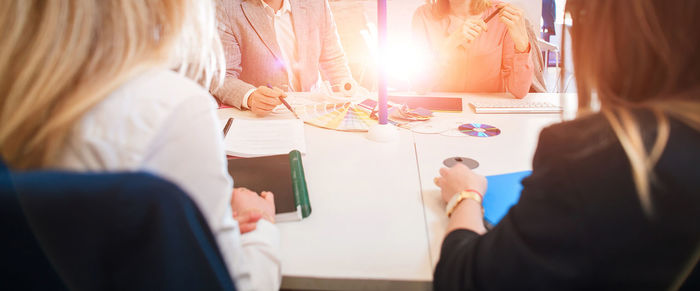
[459,197]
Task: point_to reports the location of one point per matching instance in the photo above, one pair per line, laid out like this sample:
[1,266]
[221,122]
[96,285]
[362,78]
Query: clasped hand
[473,27]
[249,207]
[470,30]
[513,18]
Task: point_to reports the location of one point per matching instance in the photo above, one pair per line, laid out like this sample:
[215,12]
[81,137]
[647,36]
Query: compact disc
[479,130]
[470,163]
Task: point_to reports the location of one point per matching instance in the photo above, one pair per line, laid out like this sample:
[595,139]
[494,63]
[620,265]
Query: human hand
[264,99]
[246,203]
[470,30]
[458,178]
[513,18]
[248,221]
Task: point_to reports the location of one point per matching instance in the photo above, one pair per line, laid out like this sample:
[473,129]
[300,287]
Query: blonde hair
[638,54]
[58,59]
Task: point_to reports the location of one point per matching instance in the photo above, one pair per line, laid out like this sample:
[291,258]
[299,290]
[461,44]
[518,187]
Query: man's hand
[264,99]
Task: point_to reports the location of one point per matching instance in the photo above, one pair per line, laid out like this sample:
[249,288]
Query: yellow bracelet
[461,196]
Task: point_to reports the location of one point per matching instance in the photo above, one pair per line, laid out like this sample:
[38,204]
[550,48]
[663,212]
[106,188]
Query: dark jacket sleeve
[526,250]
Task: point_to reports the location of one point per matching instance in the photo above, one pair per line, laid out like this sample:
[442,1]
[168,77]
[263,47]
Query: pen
[228,126]
[492,15]
[286,104]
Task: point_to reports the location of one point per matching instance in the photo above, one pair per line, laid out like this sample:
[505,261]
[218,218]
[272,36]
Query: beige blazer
[253,57]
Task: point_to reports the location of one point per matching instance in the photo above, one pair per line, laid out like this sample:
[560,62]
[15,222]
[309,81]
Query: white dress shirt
[163,123]
[287,41]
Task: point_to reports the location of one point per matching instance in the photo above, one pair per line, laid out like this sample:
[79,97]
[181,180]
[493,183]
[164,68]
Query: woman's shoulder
[426,21]
[591,140]
[125,122]
[151,97]
[153,94]
[572,136]
[425,12]
[158,84]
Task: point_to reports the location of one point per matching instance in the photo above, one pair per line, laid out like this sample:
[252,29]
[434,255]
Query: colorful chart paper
[337,116]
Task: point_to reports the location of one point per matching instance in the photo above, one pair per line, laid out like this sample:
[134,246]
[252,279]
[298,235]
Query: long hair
[58,59]
[441,8]
[638,54]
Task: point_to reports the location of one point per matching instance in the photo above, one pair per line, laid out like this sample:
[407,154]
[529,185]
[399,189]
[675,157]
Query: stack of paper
[260,137]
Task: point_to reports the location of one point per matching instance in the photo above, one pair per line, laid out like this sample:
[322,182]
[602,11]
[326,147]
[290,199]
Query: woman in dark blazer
[613,201]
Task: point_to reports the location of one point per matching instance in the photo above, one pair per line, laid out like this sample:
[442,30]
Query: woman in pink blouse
[470,55]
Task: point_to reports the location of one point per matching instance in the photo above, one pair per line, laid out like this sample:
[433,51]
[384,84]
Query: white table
[510,151]
[377,221]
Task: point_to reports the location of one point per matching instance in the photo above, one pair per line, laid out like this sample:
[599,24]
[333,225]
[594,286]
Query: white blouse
[164,123]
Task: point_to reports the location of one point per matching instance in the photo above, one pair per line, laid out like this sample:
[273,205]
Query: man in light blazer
[273,44]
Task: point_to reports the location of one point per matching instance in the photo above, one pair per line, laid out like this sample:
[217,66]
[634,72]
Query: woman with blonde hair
[472,52]
[88,85]
[613,201]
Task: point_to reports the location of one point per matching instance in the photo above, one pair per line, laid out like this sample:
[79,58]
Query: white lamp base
[383,133]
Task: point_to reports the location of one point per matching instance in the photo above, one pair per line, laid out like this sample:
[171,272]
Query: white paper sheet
[255,138]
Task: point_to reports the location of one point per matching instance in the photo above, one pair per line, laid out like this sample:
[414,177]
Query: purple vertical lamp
[382,132]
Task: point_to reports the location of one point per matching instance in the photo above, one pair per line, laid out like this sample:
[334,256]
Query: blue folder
[503,192]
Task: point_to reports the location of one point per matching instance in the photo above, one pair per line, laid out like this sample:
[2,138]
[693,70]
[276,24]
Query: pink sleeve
[233,90]
[517,69]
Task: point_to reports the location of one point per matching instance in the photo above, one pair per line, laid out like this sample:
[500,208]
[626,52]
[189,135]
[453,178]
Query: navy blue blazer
[122,231]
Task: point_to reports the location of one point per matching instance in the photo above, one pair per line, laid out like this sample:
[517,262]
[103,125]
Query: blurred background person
[549,14]
[273,46]
[470,55]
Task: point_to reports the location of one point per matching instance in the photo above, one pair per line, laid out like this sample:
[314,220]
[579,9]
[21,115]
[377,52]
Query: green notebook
[283,175]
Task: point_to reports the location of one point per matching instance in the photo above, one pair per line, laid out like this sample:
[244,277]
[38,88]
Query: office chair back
[122,231]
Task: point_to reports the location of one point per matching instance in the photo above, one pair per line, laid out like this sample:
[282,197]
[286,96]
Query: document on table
[259,137]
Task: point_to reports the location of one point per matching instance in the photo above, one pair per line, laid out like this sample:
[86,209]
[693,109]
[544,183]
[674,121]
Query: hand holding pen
[470,30]
[264,99]
[287,105]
